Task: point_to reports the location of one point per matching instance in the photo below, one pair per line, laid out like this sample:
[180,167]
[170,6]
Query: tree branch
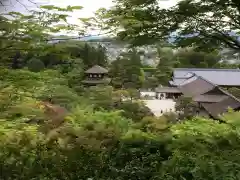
[230,41]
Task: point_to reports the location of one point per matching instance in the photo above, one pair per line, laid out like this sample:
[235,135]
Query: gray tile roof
[176,81]
[209,98]
[97,70]
[213,98]
[196,86]
[216,109]
[222,77]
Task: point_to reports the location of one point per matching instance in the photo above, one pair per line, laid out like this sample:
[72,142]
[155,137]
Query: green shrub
[110,139]
[134,110]
[203,149]
[104,145]
[45,85]
[35,65]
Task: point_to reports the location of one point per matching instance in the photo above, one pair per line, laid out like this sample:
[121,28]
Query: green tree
[101,97]
[234,91]
[30,34]
[126,71]
[186,107]
[150,83]
[196,145]
[165,65]
[189,58]
[68,53]
[134,110]
[204,24]
[93,55]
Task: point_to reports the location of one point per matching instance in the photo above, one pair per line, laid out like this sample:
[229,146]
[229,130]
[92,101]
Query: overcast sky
[90,6]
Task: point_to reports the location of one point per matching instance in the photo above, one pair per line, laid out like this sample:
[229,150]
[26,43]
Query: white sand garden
[158,107]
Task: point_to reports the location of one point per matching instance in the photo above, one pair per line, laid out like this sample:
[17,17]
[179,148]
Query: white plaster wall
[147,93]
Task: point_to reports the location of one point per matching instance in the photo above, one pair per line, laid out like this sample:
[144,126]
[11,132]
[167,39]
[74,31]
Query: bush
[104,145]
[35,65]
[203,149]
[112,139]
[153,125]
[186,107]
[42,86]
[134,110]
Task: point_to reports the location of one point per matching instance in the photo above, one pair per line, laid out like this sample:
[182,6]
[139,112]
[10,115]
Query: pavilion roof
[96,70]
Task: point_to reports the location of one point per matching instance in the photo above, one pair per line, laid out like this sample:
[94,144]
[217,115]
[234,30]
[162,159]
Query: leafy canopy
[206,24]
[34,30]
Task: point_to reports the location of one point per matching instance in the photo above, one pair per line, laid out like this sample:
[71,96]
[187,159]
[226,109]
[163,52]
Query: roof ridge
[197,76]
[96,67]
[206,80]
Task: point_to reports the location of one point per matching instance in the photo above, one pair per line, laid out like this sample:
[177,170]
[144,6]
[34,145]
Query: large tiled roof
[196,86]
[213,98]
[176,82]
[97,70]
[222,77]
[216,109]
[209,98]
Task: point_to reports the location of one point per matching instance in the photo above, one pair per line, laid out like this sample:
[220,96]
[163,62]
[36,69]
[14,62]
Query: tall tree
[189,58]
[33,31]
[126,71]
[165,65]
[92,55]
[206,24]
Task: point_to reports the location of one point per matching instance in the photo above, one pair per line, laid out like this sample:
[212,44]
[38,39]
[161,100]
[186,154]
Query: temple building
[205,87]
[167,93]
[96,75]
[212,100]
[220,77]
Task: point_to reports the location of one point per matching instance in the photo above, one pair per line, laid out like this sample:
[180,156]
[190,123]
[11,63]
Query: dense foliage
[108,140]
[52,127]
[105,145]
[126,71]
[206,24]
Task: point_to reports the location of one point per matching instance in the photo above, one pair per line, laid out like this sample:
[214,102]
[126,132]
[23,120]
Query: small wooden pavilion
[96,75]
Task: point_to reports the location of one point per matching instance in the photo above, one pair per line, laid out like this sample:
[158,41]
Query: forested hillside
[53,127]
